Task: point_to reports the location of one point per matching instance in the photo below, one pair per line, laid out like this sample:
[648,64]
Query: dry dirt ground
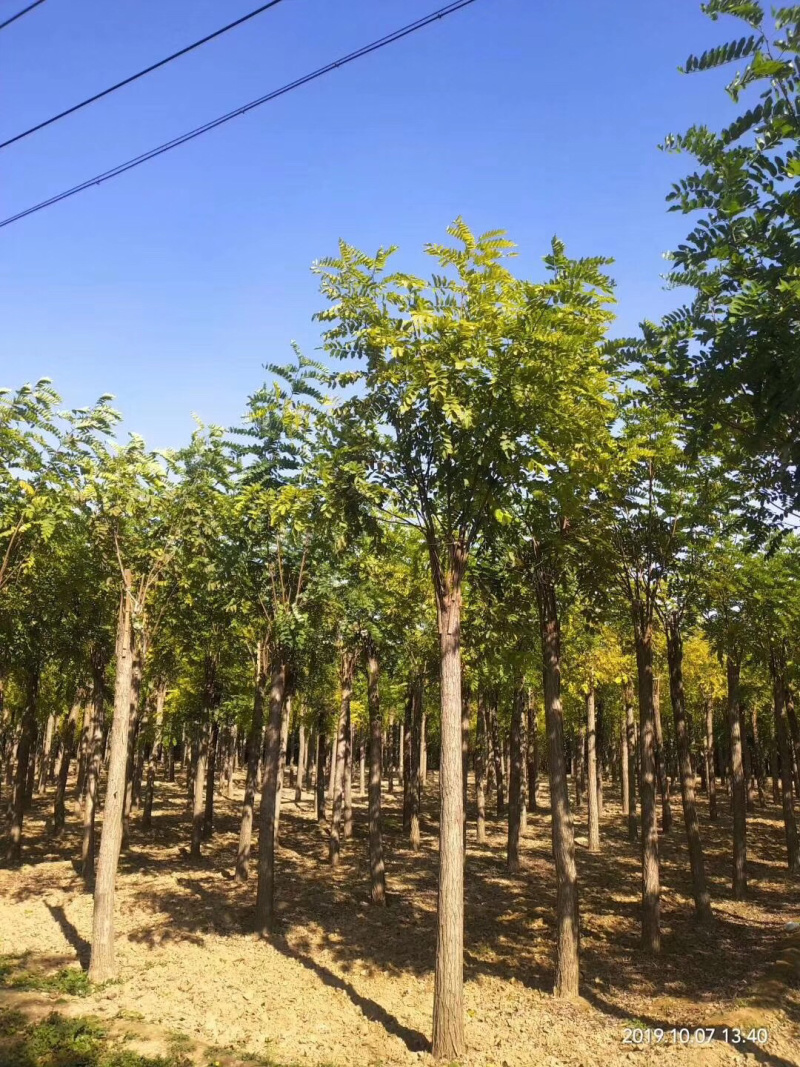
[345,983]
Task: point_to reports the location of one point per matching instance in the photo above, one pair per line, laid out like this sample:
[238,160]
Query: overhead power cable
[19,14]
[374,46]
[134,77]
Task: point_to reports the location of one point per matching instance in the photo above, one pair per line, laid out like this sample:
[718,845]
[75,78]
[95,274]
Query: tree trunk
[533,755]
[376,864]
[200,786]
[414,769]
[253,755]
[793,738]
[211,773]
[287,714]
[624,770]
[702,899]
[737,781]
[567,918]
[630,732]
[497,756]
[407,742]
[348,667]
[47,746]
[102,965]
[599,749]
[301,764]
[93,732]
[651,881]
[782,736]
[758,757]
[24,747]
[265,896]
[347,787]
[149,789]
[591,771]
[67,746]
[465,698]
[661,770]
[480,772]
[516,783]
[580,769]
[747,762]
[448,996]
[711,770]
[319,792]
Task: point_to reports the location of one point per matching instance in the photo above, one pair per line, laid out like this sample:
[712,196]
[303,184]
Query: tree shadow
[82,948]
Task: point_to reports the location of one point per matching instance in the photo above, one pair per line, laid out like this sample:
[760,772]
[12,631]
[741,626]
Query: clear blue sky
[172,285]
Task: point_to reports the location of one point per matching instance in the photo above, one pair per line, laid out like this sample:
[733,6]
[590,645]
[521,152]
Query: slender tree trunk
[319,792]
[423,753]
[301,763]
[591,769]
[599,749]
[497,754]
[480,772]
[661,770]
[516,784]
[265,903]
[580,769]
[651,880]
[737,781]
[67,746]
[465,699]
[448,996]
[776,792]
[47,746]
[133,733]
[199,802]
[376,863]
[702,899]
[711,770]
[408,741]
[211,773]
[414,837]
[567,917]
[347,789]
[287,714]
[24,747]
[347,674]
[624,770]
[793,738]
[747,762]
[758,757]
[782,736]
[253,755]
[149,788]
[633,749]
[533,754]
[93,731]
[103,964]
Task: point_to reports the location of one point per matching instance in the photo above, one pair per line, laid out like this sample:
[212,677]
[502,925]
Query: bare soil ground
[345,983]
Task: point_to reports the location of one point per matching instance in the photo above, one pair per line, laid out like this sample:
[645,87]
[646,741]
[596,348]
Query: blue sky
[172,285]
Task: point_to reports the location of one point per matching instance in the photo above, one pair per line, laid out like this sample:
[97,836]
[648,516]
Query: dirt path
[348,984]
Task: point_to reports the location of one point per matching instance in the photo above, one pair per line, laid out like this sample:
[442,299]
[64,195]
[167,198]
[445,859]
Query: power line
[133,77]
[19,14]
[374,46]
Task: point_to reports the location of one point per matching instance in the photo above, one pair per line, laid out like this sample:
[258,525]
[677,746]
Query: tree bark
[516,784]
[414,770]
[747,762]
[347,673]
[253,755]
[737,780]
[47,746]
[199,802]
[301,763]
[149,788]
[782,736]
[533,755]
[448,996]
[661,770]
[103,964]
[376,863]
[651,880]
[702,899]
[793,738]
[624,771]
[711,770]
[211,773]
[480,772]
[94,758]
[567,917]
[591,771]
[265,895]
[319,792]
[24,752]
[630,733]
[287,714]
[347,787]
[497,755]
[67,746]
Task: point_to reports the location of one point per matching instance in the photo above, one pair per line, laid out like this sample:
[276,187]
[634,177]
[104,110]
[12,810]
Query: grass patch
[61,1042]
[71,981]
